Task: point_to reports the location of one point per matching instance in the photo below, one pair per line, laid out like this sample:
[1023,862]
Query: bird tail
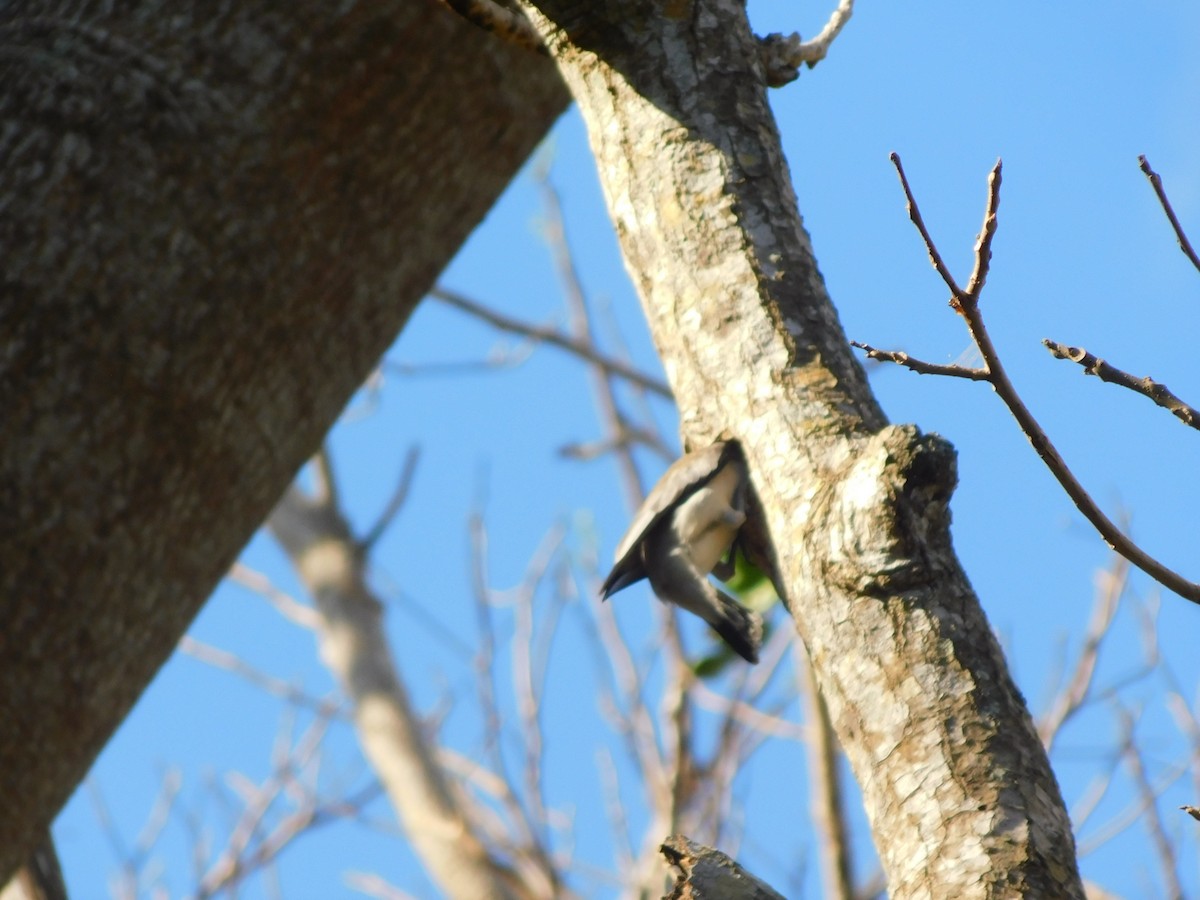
[740,628]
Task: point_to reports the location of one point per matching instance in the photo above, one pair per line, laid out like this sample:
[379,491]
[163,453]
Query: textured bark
[214,219]
[958,789]
[708,874]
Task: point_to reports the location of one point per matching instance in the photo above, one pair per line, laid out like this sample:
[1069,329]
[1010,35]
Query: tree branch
[1147,387]
[553,337]
[900,358]
[708,874]
[507,24]
[1156,182]
[319,542]
[783,56]
[966,303]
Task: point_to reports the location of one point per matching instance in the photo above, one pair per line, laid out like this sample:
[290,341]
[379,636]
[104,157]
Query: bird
[686,528]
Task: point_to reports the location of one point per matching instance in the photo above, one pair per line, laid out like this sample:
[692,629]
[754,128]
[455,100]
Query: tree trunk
[958,789]
[214,220]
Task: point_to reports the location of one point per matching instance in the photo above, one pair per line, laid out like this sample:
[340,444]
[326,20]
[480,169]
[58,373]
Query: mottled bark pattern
[958,789]
[214,218]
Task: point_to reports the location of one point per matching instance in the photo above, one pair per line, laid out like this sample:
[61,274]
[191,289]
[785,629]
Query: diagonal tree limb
[966,303]
[1147,387]
[1156,182]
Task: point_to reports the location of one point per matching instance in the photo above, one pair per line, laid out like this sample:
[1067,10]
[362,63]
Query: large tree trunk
[214,219]
[959,792]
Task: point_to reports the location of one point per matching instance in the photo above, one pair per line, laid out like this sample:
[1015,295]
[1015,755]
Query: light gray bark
[354,648]
[958,789]
[214,218]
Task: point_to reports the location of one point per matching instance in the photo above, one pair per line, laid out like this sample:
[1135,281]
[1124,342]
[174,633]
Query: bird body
[686,528]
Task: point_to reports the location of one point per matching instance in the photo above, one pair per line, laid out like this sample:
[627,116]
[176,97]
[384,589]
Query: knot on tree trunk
[890,513]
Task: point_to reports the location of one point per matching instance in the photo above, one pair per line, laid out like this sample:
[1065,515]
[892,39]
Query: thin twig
[374,885]
[533,860]
[966,303]
[497,359]
[277,687]
[528,692]
[586,452]
[238,858]
[827,805]
[1167,863]
[747,715]
[580,326]
[1074,694]
[1132,813]
[614,808]
[285,604]
[395,504]
[1156,182]
[666,770]
[983,244]
[900,358]
[914,215]
[126,884]
[1147,387]
[485,671]
[552,337]
[629,714]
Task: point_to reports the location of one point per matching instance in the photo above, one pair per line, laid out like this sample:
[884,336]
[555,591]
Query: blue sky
[1068,95]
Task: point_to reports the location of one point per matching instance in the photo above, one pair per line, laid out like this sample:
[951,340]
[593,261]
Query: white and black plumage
[682,531]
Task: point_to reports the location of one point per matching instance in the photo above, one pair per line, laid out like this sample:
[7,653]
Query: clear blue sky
[1068,95]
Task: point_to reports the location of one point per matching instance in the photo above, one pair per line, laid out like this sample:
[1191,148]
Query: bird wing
[684,476]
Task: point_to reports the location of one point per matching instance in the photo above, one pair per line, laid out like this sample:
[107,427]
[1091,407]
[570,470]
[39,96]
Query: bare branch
[277,687]
[537,868]
[585,452]
[507,24]
[629,715]
[814,50]
[395,504]
[710,874]
[258,834]
[527,688]
[983,244]
[614,808]
[914,215]
[1112,535]
[126,885]
[1167,863]
[285,604]
[318,540]
[553,337]
[1147,387]
[1133,812]
[828,809]
[967,305]
[497,359]
[782,56]
[1110,588]
[747,715]
[900,358]
[612,418]
[375,886]
[1156,182]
